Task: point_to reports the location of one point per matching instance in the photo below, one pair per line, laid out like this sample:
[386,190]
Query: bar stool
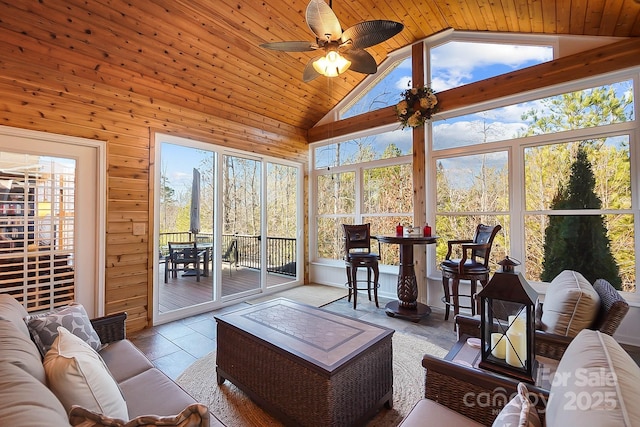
[469,267]
[357,244]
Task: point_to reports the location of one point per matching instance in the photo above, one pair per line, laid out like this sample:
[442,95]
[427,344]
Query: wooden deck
[185,291]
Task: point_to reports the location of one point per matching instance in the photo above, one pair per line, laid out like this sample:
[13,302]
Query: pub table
[407,304]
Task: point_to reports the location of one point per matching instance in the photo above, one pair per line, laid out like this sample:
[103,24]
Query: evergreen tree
[579,242]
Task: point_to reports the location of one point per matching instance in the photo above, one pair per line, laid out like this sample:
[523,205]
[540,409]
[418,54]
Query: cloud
[463,133]
[457,63]
[466,57]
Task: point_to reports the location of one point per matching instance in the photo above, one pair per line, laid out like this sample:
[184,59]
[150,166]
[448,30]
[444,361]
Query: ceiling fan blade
[370,33]
[294,46]
[361,61]
[322,21]
[310,72]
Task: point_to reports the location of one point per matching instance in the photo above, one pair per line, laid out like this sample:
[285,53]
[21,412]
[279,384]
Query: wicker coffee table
[304,365]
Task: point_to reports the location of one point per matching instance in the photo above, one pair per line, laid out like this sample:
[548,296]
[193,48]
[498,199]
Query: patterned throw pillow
[194,415]
[44,327]
[519,411]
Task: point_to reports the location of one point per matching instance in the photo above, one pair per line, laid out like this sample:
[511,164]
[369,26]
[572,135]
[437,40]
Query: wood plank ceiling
[204,55]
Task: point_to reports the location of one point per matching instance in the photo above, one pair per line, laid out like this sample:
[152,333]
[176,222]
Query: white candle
[498,345]
[516,349]
[517,324]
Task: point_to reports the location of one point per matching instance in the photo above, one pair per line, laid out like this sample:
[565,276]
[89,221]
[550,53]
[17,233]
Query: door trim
[95,304]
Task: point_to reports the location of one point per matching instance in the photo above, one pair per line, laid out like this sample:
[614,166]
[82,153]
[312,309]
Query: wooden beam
[605,59]
[419,176]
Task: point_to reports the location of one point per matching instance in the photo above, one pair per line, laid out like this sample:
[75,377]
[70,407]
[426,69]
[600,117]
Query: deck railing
[281,251]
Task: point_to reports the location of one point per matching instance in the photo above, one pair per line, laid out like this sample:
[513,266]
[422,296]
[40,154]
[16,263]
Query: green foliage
[579,242]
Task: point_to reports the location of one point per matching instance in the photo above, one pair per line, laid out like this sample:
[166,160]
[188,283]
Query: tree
[579,242]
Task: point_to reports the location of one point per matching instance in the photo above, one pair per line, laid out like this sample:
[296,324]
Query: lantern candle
[516,352]
[498,345]
[517,324]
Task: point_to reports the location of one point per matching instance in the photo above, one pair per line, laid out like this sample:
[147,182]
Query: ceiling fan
[342,50]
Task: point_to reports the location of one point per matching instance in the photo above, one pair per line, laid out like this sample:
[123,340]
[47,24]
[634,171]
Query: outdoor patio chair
[184,256]
[231,255]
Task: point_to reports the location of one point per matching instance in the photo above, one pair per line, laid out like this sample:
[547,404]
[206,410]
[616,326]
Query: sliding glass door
[282,223]
[238,215]
[241,247]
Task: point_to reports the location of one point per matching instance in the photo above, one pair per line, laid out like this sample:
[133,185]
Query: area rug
[315,295]
[235,409]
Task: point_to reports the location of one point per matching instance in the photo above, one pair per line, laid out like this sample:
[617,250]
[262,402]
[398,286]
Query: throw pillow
[77,375]
[44,326]
[194,415]
[570,304]
[519,411]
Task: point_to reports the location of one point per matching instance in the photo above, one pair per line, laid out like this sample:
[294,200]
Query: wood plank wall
[58,90]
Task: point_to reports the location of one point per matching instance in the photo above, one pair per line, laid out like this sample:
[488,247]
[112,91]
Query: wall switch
[139,228]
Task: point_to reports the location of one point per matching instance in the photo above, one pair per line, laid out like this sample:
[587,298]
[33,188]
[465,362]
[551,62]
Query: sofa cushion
[519,411]
[428,412]
[13,311]
[18,349]
[78,376]
[73,317]
[570,304]
[26,402]
[194,415]
[124,360]
[152,392]
[597,383]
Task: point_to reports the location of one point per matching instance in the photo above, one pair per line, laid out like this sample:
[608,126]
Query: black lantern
[507,309]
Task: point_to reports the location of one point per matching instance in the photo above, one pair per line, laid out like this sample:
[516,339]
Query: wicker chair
[613,308]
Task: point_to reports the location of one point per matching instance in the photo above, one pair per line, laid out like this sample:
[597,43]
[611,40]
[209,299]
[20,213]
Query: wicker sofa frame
[478,395]
[613,308]
[111,328]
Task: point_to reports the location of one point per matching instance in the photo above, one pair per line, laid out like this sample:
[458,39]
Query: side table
[467,355]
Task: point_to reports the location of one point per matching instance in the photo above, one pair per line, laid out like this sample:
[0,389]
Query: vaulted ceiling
[205,54]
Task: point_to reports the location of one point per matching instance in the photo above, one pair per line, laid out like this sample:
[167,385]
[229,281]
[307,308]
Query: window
[547,171]
[573,110]
[456,63]
[384,91]
[500,162]
[541,147]
[368,179]
[472,190]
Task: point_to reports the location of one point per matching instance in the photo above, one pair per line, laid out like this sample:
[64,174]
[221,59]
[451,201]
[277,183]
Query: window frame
[516,149]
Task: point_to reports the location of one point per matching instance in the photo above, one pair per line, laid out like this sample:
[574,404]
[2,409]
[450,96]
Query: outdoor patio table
[407,304]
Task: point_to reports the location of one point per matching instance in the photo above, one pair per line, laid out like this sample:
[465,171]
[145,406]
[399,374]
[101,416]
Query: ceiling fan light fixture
[332,64]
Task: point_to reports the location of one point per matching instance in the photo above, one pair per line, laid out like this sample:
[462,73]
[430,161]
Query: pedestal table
[407,304]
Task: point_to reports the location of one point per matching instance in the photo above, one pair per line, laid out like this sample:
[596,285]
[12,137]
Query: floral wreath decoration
[417,106]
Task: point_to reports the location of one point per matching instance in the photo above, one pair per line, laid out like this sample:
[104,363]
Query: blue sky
[455,64]
[177,162]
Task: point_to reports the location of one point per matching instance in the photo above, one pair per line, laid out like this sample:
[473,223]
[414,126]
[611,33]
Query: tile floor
[174,346]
